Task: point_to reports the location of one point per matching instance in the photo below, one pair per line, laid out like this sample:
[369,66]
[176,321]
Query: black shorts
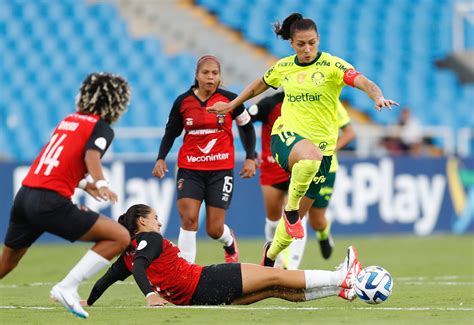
[282,186]
[219,284]
[214,187]
[36,211]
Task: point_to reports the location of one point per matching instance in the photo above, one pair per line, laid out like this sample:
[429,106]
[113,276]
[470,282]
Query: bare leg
[317,218]
[215,220]
[111,238]
[189,212]
[274,199]
[295,295]
[256,278]
[9,259]
[305,206]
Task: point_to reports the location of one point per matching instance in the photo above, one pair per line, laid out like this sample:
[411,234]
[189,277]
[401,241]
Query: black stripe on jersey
[263,79]
[102,129]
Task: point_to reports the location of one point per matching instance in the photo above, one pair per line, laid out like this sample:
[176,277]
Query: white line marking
[256,308]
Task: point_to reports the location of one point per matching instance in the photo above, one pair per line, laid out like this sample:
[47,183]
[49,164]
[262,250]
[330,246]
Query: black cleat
[265,260]
[326,246]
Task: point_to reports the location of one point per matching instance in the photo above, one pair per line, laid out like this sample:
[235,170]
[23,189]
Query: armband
[101,183]
[349,76]
[151,293]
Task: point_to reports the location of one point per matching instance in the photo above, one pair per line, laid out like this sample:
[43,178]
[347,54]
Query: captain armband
[349,76]
[243,118]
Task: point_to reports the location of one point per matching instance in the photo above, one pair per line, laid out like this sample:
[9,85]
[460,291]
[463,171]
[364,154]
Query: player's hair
[104,94]
[129,218]
[291,24]
[201,61]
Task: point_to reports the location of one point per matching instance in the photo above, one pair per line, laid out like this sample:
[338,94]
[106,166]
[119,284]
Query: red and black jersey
[208,142]
[174,278]
[267,111]
[60,165]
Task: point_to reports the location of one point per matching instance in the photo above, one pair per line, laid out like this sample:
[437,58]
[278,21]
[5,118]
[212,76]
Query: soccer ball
[373,285]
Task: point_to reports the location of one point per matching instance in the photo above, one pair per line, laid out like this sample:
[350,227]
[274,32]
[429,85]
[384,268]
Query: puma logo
[208,147]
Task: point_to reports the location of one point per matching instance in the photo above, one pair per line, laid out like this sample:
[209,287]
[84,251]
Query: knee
[122,239]
[189,222]
[309,165]
[317,219]
[215,231]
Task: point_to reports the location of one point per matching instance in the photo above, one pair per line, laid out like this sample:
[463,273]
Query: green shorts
[281,145]
[324,195]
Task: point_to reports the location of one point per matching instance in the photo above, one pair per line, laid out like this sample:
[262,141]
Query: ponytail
[292,23]
[129,218]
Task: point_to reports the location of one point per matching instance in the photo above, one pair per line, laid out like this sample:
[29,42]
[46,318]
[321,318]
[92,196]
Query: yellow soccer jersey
[311,95]
[342,120]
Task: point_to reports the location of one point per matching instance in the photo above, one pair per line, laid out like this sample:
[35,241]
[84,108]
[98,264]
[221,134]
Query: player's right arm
[174,127]
[257,87]
[117,272]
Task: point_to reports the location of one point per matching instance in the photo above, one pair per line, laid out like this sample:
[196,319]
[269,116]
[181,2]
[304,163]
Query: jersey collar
[297,62]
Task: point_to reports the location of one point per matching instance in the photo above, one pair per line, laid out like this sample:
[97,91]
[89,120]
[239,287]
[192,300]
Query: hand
[249,168]
[220,108]
[83,303]
[382,102]
[156,300]
[93,191]
[160,168]
[107,195]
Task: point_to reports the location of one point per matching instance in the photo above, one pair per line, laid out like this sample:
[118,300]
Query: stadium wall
[372,196]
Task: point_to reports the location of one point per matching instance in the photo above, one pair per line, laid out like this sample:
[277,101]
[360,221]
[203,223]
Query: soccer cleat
[69,299]
[296,229]
[350,267]
[231,253]
[326,246]
[266,261]
[348,294]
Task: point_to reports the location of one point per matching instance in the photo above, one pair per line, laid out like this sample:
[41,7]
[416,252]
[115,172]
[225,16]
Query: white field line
[448,280]
[227,308]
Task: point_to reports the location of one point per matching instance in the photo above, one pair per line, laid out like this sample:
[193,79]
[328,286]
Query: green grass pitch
[433,284]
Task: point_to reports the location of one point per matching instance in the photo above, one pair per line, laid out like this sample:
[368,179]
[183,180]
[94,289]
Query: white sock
[319,278]
[321,292]
[187,244]
[296,249]
[87,267]
[270,228]
[226,237]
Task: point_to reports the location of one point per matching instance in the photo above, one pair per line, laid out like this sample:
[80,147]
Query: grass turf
[433,284]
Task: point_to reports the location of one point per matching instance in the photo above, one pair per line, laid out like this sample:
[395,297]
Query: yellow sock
[323,234]
[302,174]
[281,240]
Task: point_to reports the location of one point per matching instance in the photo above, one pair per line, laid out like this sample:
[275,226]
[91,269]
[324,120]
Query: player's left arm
[355,79]
[248,138]
[150,247]
[96,146]
[347,135]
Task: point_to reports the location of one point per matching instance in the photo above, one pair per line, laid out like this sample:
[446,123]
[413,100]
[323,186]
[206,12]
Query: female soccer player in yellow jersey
[305,135]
